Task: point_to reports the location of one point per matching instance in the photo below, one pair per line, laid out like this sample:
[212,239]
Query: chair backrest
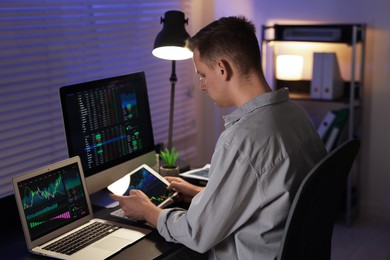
[309,226]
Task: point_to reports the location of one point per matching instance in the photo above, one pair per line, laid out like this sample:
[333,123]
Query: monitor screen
[108,124]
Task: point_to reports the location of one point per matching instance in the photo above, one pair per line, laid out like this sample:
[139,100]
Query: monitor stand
[102,199]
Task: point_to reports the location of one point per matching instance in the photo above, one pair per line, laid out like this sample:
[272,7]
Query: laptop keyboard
[82,238]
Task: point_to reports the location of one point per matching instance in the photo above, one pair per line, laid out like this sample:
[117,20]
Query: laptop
[54,204]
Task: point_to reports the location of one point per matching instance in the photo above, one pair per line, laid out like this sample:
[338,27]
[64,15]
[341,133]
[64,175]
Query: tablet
[200,173]
[146,179]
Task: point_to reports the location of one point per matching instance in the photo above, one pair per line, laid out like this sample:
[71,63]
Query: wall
[203,13]
[375,166]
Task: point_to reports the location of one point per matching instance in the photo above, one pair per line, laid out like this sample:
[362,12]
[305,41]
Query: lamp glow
[289,67]
[172,53]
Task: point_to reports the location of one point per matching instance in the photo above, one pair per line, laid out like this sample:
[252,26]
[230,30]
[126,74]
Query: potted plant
[169,167]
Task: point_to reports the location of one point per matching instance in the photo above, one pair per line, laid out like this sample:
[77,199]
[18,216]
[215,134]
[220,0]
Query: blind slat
[48,44]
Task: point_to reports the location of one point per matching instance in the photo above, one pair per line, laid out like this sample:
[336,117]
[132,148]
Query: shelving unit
[351,37]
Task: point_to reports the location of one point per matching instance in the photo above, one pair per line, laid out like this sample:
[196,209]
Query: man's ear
[225,70]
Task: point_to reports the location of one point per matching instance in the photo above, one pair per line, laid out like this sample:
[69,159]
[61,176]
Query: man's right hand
[186,191]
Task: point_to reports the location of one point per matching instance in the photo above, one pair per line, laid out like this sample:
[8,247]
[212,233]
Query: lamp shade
[289,67]
[170,42]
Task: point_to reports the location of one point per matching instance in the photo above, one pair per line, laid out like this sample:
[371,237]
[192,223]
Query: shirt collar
[265,99]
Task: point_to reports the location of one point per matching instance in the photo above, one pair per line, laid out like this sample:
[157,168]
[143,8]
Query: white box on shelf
[332,83]
[316,81]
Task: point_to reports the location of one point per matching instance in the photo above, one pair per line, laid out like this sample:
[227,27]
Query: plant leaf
[169,157]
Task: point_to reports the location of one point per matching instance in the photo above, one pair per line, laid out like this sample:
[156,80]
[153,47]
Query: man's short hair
[229,37]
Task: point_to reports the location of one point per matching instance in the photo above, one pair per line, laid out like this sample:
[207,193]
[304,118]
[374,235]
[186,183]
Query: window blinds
[48,44]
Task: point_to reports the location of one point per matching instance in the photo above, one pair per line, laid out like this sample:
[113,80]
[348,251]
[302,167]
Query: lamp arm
[173,80]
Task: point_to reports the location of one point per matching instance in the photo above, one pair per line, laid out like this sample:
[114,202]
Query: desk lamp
[170,45]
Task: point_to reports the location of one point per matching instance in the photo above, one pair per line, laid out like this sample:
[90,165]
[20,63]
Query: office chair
[309,226]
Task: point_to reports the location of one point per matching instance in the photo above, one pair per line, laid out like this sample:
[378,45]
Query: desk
[153,246]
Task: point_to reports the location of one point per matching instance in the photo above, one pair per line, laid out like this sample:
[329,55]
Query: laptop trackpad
[113,243]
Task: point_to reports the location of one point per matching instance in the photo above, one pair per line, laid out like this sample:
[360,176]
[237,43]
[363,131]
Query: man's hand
[186,191]
[138,206]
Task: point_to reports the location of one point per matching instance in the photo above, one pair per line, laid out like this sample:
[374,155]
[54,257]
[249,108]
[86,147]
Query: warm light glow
[172,53]
[289,67]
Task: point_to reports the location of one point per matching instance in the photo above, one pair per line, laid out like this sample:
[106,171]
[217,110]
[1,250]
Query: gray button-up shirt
[267,148]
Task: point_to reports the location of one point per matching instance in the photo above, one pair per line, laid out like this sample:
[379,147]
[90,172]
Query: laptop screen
[53,199]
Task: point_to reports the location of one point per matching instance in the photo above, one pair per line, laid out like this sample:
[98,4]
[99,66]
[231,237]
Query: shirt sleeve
[231,197]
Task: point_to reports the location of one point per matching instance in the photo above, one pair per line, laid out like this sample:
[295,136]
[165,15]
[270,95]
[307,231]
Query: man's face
[211,81]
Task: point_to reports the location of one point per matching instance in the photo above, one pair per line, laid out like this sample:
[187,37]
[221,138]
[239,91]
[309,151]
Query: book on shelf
[325,124]
[332,135]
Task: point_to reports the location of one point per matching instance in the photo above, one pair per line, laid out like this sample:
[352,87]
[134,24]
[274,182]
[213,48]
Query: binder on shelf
[330,139]
[326,80]
[325,124]
[316,82]
[332,83]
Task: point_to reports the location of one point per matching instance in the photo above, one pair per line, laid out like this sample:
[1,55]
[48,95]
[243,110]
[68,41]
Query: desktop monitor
[108,124]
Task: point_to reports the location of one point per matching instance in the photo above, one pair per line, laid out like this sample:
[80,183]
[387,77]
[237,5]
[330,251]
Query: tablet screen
[147,180]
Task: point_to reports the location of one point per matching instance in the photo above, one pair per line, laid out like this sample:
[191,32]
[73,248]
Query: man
[267,148]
